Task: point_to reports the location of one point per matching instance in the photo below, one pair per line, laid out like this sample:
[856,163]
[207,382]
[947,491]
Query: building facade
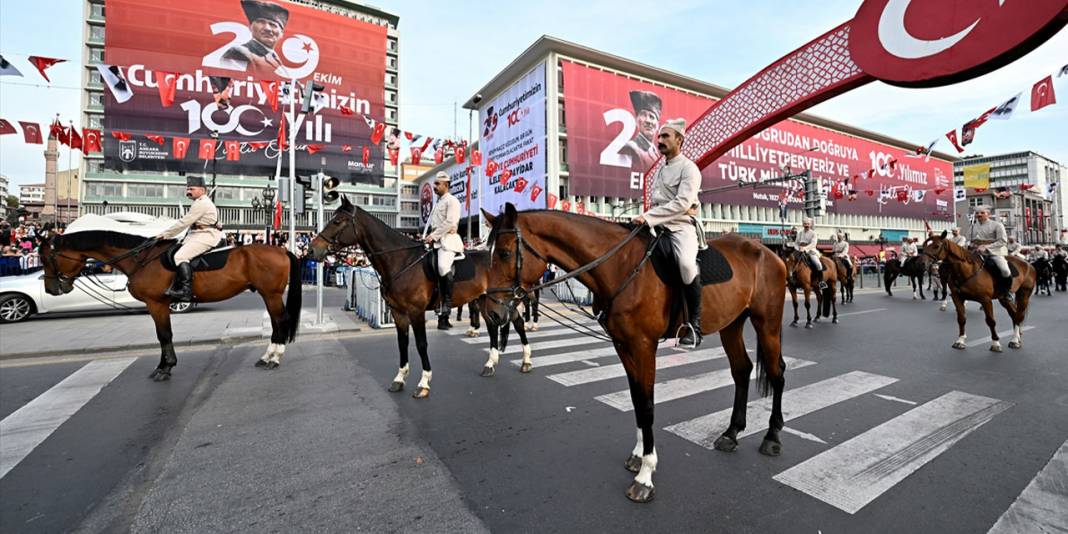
[32,199]
[1033,215]
[163,193]
[4,209]
[760,221]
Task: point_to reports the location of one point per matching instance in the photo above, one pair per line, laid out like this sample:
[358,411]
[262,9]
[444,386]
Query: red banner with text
[612,122]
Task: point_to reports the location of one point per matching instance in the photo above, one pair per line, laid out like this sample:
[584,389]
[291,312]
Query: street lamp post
[267,205]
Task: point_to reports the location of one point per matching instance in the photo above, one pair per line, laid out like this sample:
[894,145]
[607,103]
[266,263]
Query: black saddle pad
[462,270]
[992,268]
[211,260]
[714,267]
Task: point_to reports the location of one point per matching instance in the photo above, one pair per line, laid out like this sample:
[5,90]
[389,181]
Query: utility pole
[292,166]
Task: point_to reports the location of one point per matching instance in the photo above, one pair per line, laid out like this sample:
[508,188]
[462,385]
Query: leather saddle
[462,270]
[211,260]
[992,268]
[713,266]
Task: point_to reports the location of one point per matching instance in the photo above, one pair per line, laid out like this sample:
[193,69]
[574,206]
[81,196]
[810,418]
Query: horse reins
[351,218]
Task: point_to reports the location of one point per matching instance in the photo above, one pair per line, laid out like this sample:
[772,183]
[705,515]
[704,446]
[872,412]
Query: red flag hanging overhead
[314,148]
[346,148]
[277,214]
[491,168]
[120,135]
[58,131]
[550,201]
[167,83]
[505,176]
[366,155]
[939,190]
[258,145]
[345,110]
[75,139]
[180,147]
[233,150]
[1026,187]
[207,149]
[952,136]
[378,132]
[271,90]
[91,143]
[394,155]
[31,132]
[1042,94]
[902,195]
[535,191]
[417,155]
[6,127]
[283,138]
[43,63]
[521,185]
[439,156]
[158,139]
[476,158]
[461,153]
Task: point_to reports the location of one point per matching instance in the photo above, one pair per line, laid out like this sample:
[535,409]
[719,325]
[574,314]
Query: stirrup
[679,336]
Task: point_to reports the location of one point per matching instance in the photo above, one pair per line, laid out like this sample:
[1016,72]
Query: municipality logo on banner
[127,150]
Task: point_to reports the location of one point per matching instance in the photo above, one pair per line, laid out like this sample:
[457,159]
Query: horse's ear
[510,215]
[944,234]
[490,218]
[345,201]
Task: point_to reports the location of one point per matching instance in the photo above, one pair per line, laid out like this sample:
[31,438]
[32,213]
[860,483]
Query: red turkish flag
[952,136]
[207,149]
[233,150]
[346,148]
[521,185]
[439,156]
[394,155]
[902,195]
[366,155]
[167,83]
[277,214]
[6,127]
[980,190]
[92,141]
[43,63]
[121,135]
[31,132]
[158,139]
[345,110]
[270,89]
[491,168]
[312,149]
[1042,94]
[476,158]
[75,139]
[565,205]
[869,192]
[417,155]
[550,201]
[378,132]
[939,190]
[180,146]
[1025,187]
[534,192]
[505,176]
[58,131]
[258,145]
[460,154]
[283,138]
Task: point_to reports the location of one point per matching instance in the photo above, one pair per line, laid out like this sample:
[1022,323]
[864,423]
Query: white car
[25,295]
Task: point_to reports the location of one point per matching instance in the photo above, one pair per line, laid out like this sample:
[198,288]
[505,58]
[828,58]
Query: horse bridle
[63,279]
[350,222]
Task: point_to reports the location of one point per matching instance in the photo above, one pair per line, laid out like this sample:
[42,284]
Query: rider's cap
[194,181]
[981,207]
[441,177]
[678,125]
[806,220]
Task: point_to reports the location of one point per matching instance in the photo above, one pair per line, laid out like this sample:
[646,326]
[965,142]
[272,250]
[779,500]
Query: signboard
[512,133]
[609,126]
[221,56]
[977,176]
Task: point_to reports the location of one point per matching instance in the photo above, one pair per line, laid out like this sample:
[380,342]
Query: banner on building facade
[512,134]
[977,176]
[612,122]
[222,63]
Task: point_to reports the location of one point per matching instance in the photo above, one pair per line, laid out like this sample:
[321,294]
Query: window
[96,100]
[410,190]
[391,79]
[96,122]
[384,201]
[96,33]
[409,206]
[228,193]
[103,189]
[391,61]
[94,78]
[96,11]
[145,190]
[391,97]
[96,55]
[391,114]
[96,166]
[175,191]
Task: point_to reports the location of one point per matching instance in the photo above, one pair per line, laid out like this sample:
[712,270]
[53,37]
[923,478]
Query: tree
[12,201]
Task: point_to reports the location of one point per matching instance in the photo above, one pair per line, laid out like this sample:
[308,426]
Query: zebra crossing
[848,475]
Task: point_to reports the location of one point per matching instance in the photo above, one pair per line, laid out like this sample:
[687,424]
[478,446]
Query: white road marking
[678,388]
[605,372]
[798,402]
[988,339]
[578,356]
[556,344]
[858,471]
[31,424]
[1043,505]
[861,312]
[803,435]
[514,337]
[894,399]
[455,331]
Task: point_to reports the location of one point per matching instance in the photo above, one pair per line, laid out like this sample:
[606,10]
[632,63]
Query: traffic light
[329,184]
[310,94]
[815,198]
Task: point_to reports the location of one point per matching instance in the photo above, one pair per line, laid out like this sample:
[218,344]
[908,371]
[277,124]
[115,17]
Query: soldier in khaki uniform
[444,220]
[202,220]
[807,242]
[989,238]
[675,191]
[841,251]
[957,238]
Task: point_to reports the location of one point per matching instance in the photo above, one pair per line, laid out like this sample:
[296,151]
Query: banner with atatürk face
[198,67]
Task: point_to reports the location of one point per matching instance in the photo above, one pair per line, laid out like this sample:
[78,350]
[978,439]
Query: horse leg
[641,374]
[808,309]
[473,313]
[277,347]
[490,367]
[401,322]
[769,354]
[161,315]
[988,310]
[520,328]
[741,367]
[1018,313]
[920,283]
[958,303]
[834,310]
[793,296]
[422,390]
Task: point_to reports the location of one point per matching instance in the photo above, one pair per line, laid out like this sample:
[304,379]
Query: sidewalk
[126,331]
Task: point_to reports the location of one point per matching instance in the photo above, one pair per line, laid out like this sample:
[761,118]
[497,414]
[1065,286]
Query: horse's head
[514,264]
[936,247]
[61,266]
[340,232]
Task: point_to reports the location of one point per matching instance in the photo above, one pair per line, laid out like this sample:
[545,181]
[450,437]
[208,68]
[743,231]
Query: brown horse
[970,280]
[410,293]
[800,277]
[637,309]
[846,279]
[264,269]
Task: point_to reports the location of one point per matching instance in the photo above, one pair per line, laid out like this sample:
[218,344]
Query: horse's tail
[291,315]
[825,302]
[762,381]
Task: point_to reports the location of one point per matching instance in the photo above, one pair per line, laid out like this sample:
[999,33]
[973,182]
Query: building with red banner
[222,84]
[601,111]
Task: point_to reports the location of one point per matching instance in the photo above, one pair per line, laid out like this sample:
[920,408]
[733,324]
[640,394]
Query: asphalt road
[897,433]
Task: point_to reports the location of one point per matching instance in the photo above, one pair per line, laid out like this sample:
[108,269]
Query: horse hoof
[162,376]
[725,444]
[421,393]
[526,367]
[534,327]
[471,332]
[959,345]
[271,366]
[794,324]
[834,321]
[396,386]
[995,348]
[633,463]
[488,371]
[942,308]
[770,448]
[260,363]
[639,492]
[808,325]
[1015,345]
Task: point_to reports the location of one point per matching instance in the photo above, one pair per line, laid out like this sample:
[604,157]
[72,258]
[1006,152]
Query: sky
[449,50]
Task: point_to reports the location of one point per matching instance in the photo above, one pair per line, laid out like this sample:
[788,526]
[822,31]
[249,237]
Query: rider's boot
[1005,288]
[692,295]
[817,279]
[446,302]
[182,290]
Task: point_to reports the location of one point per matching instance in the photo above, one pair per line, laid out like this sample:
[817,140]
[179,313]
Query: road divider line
[1001,335]
[30,425]
[855,473]
[605,372]
[1043,505]
[704,430]
[513,337]
[578,356]
[679,388]
[861,312]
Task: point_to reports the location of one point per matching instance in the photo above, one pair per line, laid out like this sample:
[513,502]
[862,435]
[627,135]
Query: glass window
[96,122]
[228,193]
[96,33]
[103,189]
[96,11]
[96,55]
[96,99]
[145,190]
[175,191]
[94,77]
[96,166]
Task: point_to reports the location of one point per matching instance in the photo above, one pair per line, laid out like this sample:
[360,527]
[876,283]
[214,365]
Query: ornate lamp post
[267,206]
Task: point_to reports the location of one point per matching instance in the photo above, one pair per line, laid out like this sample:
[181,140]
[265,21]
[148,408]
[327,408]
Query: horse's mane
[95,239]
[380,224]
[575,217]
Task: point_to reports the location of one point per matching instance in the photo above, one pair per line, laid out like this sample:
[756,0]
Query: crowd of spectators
[19,245]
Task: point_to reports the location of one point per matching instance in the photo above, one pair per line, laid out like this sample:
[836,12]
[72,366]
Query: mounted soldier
[1015,248]
[989,238]
[807,243]
[443,224]
[674,194]
[908,250]
[958,239]
[841,251]
[202,220]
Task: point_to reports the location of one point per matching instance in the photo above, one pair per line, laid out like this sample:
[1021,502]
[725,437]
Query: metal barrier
[574,292]
[365,298]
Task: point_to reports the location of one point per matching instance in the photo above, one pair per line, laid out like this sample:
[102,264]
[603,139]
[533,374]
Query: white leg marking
[494,357]
[638,447]
[402,374]
[279,350]
[424,382]
[270,352]
[996,345]
[645,474]
[526,353]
